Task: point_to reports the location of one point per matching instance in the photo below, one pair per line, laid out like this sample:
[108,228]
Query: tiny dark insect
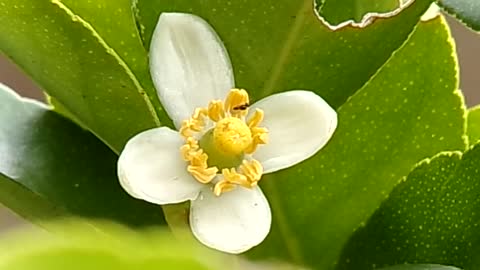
[241,107]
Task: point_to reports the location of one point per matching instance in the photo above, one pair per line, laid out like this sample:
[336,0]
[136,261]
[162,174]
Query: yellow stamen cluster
[231,136]
[248,176]
[198,167]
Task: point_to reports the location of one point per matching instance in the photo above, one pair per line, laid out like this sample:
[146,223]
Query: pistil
[225,146]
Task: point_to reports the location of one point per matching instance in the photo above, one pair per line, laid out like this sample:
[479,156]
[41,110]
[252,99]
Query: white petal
[233,222]
[189,64]
[150,168]
[299,124]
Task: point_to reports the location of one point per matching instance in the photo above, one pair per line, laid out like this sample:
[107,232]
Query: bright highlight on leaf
[473,125]
[86,244]
[192,73]
[51,168]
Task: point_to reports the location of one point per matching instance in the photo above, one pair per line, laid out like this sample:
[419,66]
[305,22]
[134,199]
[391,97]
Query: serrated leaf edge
[457,92]
[452,13]
[290,242]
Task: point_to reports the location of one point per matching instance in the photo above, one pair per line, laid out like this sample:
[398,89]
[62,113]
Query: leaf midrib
[291,243]
[286,50]
[108,49]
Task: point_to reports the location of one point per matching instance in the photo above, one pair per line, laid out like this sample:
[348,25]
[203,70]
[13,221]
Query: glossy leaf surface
[433,216]
[49,167]
[398,118]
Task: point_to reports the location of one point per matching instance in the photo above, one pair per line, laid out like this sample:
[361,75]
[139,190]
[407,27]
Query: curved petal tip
[189,64]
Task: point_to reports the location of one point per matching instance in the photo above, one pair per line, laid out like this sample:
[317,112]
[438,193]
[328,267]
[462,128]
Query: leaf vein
[287,48]
[111,51]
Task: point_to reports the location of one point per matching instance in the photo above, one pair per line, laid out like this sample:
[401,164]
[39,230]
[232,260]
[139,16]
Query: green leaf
[473,125]
[26,203]
[410,110]
[49,167]
[76,66]
[79,247]
[115,23]
[281,45]
[420,267]
[466,11]
[336,12]
[433,216]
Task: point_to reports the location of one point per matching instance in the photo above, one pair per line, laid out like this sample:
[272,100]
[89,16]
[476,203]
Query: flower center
[217,156]
[227,146]
[232,136]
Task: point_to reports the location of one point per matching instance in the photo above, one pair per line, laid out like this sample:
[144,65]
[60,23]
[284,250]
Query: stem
[176,216]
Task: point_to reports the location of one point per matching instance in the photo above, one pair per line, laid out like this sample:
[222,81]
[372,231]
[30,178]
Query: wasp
[241,107]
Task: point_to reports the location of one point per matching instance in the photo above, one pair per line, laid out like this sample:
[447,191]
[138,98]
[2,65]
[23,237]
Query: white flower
[223,145]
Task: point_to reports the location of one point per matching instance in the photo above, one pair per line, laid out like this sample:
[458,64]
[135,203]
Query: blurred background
[468,49]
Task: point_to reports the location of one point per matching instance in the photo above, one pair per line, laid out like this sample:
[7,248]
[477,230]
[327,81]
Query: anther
[256,118]
[216,110]
[225,145]
[237,103]
[203,175]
